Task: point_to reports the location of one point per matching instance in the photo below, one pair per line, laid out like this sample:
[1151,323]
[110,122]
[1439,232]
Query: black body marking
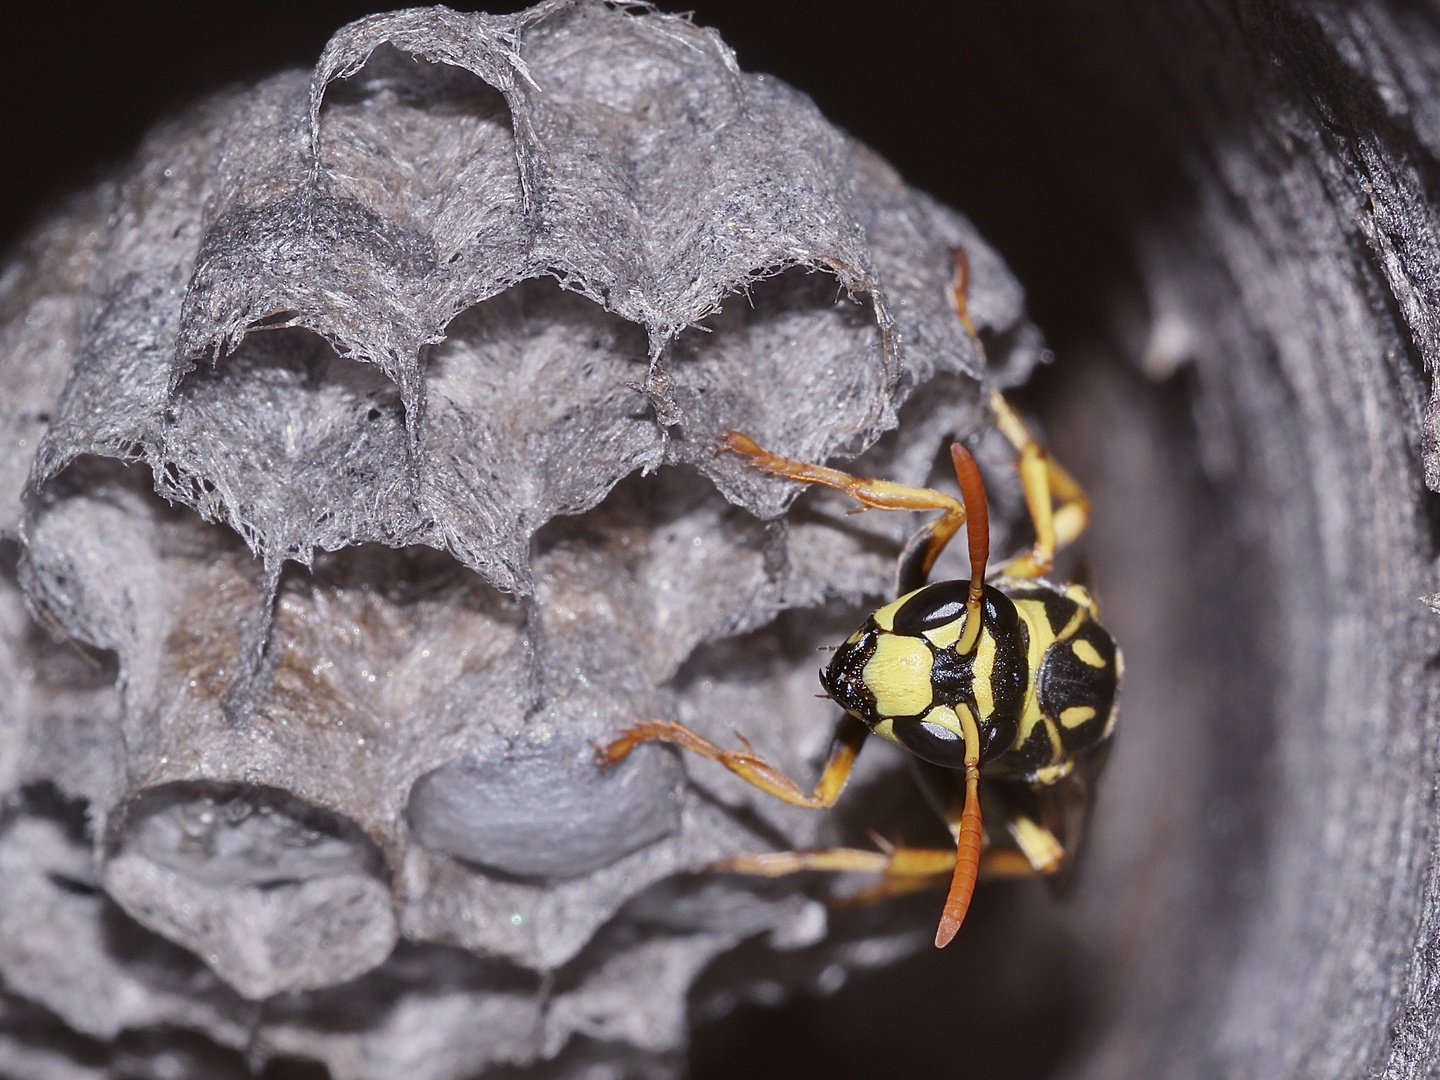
[843,680]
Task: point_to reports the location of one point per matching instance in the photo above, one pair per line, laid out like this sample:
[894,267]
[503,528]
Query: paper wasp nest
[359,472]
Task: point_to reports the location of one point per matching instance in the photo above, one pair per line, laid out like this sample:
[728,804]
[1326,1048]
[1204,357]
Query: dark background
[998,109]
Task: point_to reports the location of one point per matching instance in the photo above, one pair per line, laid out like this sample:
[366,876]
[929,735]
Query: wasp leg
[996,865]
[850,734]
[1037,844]
[868,492]
[1058,506]
[905,870]
[1057,503]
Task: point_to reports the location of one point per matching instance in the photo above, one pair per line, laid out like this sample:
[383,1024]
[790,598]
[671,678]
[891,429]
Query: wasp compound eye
[932,607]
[843,678]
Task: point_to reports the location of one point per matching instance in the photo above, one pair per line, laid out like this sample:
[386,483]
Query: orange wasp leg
[850,734]
[868,492]
[904,870]
[1057,503]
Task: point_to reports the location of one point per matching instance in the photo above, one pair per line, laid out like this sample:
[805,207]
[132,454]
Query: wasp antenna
[971,838]
[977,532]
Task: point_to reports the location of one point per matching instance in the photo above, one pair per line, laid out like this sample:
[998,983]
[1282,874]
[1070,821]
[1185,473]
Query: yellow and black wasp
[1005,689]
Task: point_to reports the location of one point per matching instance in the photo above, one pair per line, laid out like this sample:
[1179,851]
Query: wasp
[1003,688]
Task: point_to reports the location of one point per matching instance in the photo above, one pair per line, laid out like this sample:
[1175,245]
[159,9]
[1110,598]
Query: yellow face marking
[899,675]
[981,672]
[1076,715]
[886,730]
[1038,844]
[885,617]
[1086,654]
[942,637]
[854,638]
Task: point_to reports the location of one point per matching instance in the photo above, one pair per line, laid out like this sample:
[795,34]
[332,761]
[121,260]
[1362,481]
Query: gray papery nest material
[359,472]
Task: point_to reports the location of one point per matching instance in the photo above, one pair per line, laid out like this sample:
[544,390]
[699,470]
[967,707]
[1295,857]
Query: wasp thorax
[903,675]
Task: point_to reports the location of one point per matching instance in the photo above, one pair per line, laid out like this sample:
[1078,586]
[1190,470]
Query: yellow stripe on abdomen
[1041,638]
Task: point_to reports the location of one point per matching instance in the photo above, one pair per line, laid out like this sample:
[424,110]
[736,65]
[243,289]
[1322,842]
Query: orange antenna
[971,837]
[971,831]
[977,532]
